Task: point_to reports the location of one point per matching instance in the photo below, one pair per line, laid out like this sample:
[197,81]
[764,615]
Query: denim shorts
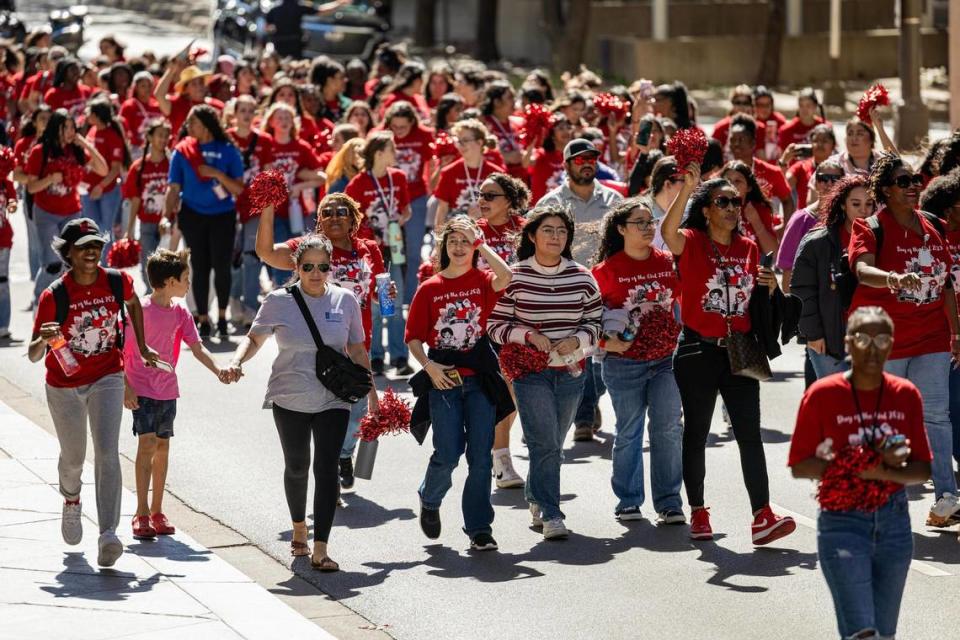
[154,416]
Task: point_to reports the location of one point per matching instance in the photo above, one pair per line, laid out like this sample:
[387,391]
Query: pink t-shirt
[165,328]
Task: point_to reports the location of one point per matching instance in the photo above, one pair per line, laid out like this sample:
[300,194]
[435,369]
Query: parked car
[11,26]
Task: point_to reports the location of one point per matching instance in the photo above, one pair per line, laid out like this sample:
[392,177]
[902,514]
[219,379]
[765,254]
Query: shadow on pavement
[170,549]
[79,580]
[767,562]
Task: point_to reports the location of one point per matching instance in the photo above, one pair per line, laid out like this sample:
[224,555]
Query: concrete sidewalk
[171,587]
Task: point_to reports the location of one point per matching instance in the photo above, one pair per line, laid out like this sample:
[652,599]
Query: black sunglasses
[725,202]
[322,267]
[490,197]
[741,103]
[827,177]
[905,181]
[339,212]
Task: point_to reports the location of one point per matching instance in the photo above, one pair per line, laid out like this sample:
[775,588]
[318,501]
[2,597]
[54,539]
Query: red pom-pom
[267,189]
[393,417]
[687,145]
[656,335]
[196,53]
[607,104]
[425,271]
[123,254]
[517,360]
[536,122]
[875,96]
[443,145]
[842,489]
[6,161]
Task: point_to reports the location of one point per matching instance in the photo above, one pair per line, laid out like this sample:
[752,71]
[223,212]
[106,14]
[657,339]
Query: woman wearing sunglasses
[638,286]
[302,406]
[757,211]
[865,554]
[718,273]
[906,274]
[821,277]
[354,266]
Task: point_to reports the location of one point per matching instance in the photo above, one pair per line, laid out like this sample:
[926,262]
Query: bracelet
[893,288]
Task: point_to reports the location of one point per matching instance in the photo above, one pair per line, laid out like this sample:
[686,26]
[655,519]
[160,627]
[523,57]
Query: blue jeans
[636,387]
[105,211]
[357,411]
[825,365]
[593,390]
[281,233]
[955,410]
[149,241]
[245,284]
[395,324]
[48,228]
[865,558]
[463,421]
[413,232]
[4,289]
[931,373]
[546,402]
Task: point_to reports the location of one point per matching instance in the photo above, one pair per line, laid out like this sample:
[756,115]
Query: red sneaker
[700,524]
[162,525]
[768,526]
[142,529]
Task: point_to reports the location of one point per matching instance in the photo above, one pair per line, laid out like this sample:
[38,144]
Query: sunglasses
[322,267]
[725,202]
[827,178]
[906,181]
[584,159]
[881,341]
[338,212]
[464,141]
[675,179]
[642,224]
[741,103]
[490,196]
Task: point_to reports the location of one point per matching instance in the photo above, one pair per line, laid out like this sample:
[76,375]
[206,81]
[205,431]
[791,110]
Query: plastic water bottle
[572,363]
[64,356]
[383,295]
[395,240]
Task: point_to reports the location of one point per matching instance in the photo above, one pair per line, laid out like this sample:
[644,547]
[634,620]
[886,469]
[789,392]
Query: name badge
[925,257]
[334,315]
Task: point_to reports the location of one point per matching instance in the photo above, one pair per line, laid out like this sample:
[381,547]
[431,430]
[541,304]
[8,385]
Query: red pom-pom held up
[517,360]
[656,335]
[393,417]
[124,253]
[267,189]
[875,96]
[536,122]
[687,145]
[607,104]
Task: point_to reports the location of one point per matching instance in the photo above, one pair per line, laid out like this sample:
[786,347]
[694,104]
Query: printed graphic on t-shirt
[644,297]
[154,193]
[254,169]
[408,161]
[287,166]
[354,275]
[955,266]
[933,276]
[468,197]
[876,429]
[728,291]
[94,330]
[458,325]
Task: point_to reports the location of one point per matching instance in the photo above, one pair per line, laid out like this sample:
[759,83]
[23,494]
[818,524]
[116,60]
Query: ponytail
[104,112]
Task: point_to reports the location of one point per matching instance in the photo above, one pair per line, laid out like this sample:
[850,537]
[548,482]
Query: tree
[769,73]
[487,30]
[567,31]
[424,28]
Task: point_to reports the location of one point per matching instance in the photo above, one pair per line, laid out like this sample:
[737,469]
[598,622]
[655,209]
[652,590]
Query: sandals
[326,565]
[298,548]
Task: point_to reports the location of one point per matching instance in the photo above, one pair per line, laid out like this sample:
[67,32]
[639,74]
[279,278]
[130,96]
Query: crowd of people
[424,206]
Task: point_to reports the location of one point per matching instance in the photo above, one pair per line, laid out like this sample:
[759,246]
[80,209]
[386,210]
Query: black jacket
[482,359]
[773,319]
[821,279]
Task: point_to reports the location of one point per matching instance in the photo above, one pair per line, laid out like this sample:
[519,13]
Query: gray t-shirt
[293,381]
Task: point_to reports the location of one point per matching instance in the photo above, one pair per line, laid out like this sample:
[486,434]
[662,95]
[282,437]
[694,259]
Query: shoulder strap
[936,222]
[248,152]
[61,298]
[874,223]
[115,280]
[294,291]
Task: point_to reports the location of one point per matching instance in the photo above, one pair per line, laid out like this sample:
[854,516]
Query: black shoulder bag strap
[62,300]
[248,152]
[294,291]
[115,279]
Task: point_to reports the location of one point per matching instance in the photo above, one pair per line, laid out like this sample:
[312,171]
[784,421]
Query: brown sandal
[326,564]
[298,548]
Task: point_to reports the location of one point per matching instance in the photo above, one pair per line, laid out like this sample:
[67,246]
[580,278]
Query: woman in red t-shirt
[639,286]
[546,161]
[907,275]
[460,181]
[139,109]
[55,167]
[718,271]
[66,91]
[756,215]
[449,314]
[407,86]
[146,188]
[29,134]
[809,115]
[102,201]
[800,173]
[499,105]
[83,350]
[864,552]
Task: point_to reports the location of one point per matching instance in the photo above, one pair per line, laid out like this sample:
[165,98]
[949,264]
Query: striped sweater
[557,305]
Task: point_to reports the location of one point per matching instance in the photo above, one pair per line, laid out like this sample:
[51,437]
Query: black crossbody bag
[342,376]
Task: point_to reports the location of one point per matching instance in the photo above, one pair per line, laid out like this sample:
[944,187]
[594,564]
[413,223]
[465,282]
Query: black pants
[702,370]
[210,240]
[328,428]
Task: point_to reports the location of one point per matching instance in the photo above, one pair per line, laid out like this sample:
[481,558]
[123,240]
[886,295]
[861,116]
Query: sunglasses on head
[489,196]
[827,177]
[322,267]
[725,202]
[335,212]
[587,158]
[905,181]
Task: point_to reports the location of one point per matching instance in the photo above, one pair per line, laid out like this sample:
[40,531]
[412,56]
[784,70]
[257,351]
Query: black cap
[81,231]
[578,147]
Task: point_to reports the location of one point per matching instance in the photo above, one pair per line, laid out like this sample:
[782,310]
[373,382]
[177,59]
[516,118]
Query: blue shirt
[197,194]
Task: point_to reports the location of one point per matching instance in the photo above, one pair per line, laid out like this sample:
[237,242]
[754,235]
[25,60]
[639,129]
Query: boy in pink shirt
[152,392]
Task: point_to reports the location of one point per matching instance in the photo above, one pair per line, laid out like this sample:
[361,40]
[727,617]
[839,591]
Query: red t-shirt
[642,289]
[40,82]
[8,96]
[546,174]
[508,139]
[828,410]
[766,218]
[260,156]
[710,291]
[919,318]
[721,132]
[61,199]
[150,185]
[953,246]
[417,100]
[180,105]
[7,193]
[771,139]
[451,313]
[135,115]
[772,182]
[90,329]
[73,100]
[795,131]
[110,146]
[413,155]
[379,206]
[289,158]
[501,238]
[21,149]
[802,172]
[459,186]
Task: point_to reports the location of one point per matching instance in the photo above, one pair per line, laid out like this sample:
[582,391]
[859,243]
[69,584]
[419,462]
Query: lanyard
[721,264]
[390,204]
[507,135]
[473,185]
[868,433]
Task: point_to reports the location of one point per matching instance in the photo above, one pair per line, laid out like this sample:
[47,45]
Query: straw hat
[190,73]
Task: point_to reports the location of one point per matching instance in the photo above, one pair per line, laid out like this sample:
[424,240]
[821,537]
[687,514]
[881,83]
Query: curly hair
[356,216]
[611,240]
[949,155]
[517,193]
[942,193]
[525,245]
[754,192]
[833,212]
[881,174]
[700,200]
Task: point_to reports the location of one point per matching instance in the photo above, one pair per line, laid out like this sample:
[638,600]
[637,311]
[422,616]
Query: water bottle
[64,356]
[628,334]
[383,295]
[572,363]
[295,216]
[395,240]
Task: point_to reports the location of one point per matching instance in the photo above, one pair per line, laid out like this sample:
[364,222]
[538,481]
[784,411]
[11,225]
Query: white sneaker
[942,513]
[536,520]
[507,477]
[110,549]
[70,524]
[237,315]
[554,529]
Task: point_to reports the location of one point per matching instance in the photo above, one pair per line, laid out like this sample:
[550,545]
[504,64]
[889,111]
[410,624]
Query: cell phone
[164,366]
[766,260]
[643,135]
[454,375]
[803,150]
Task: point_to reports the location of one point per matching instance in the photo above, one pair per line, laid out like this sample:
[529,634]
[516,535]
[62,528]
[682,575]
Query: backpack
[62,300]
[874,223]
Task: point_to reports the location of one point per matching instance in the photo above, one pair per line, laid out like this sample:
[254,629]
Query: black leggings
[329,428]
[210,240]
[702,370]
